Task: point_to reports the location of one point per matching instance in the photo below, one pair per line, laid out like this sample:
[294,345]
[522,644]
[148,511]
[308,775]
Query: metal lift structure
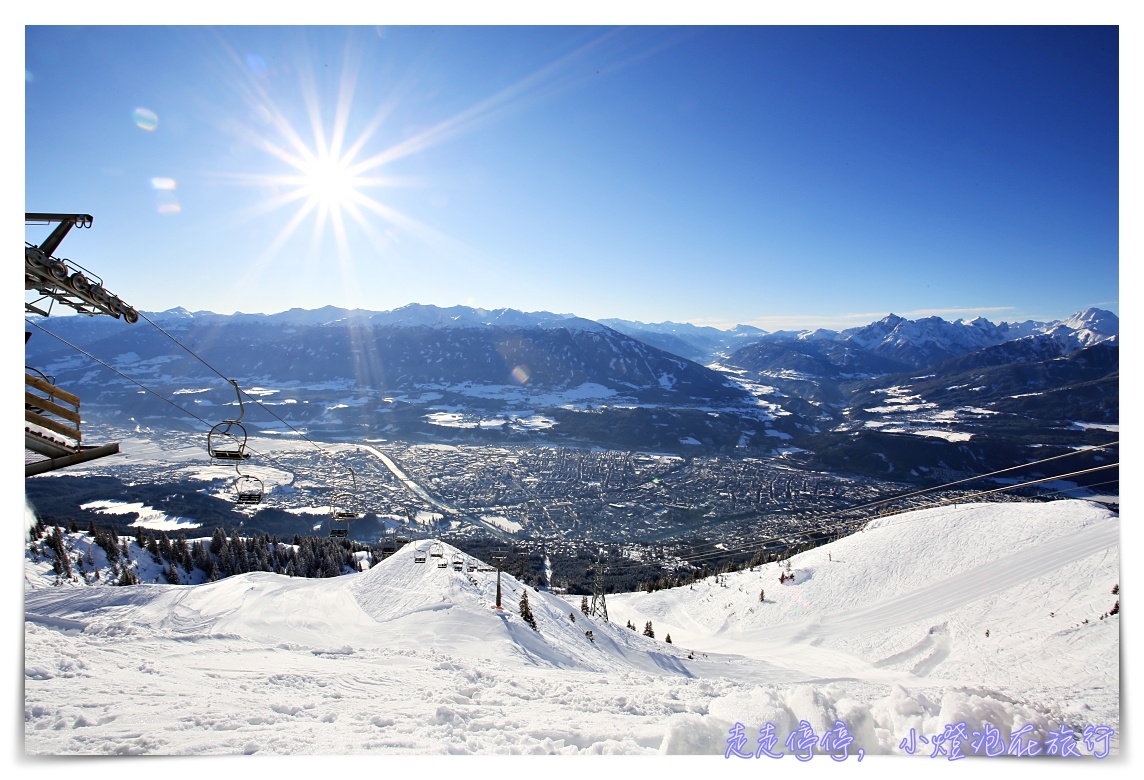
[52,435]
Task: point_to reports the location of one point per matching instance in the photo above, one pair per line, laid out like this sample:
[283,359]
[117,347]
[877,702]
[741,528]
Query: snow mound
[429,603]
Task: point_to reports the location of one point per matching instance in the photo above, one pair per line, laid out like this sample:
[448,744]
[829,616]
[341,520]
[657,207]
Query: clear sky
[778,176]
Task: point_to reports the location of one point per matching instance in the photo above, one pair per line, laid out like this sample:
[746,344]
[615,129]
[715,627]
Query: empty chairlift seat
[248,489]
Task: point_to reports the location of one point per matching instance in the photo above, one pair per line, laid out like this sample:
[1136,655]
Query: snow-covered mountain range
[474,375]
[909,343]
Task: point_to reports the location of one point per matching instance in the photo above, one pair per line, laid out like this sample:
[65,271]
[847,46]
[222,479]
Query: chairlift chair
[248,489]
[458,562]
[438,550]
[341,513]
[227,440]
[342,507]
[419,556]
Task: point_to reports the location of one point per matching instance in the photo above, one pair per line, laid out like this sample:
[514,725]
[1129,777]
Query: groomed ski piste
[884,631]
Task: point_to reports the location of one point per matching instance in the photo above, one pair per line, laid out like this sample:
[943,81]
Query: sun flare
[329,182]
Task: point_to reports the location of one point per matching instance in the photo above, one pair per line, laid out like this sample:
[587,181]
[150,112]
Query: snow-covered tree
[667,639]
[584,605]
[648,631]
[526,611]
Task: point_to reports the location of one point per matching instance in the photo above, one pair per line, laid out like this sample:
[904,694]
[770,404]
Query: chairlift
[227,440]
[248,489]
[458,562]
[343,509]
[419,556]
[341,513]
[438,550]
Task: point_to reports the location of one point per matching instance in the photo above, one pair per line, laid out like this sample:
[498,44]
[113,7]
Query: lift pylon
[64,281]
[52,435]
[599,603]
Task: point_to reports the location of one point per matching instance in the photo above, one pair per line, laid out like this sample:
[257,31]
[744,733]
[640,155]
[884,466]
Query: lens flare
[520,374]
[145,119]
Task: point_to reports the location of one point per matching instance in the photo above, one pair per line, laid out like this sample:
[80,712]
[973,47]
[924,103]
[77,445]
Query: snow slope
[883,630]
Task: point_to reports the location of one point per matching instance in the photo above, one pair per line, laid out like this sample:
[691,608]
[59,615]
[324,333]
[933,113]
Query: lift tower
[599,603]
[52,436]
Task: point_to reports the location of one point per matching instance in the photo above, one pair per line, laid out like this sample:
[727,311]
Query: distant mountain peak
[1096,320]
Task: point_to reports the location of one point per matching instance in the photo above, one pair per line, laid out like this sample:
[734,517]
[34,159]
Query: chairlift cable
[117,371]
[254,400]
[137,383]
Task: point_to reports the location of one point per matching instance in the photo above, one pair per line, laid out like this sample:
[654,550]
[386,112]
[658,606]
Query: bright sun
[329,182]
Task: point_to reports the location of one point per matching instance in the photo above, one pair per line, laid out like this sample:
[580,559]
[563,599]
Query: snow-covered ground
[883,631]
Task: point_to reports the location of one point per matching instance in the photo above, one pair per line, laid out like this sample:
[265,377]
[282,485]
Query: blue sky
[779,176]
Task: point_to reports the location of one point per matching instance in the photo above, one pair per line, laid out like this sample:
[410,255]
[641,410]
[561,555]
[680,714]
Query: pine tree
[526,611]
[667,639]
[165,549]
[648,631]
[588,634]
[584,605]
[218,541]
[62,564]
[762,595]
